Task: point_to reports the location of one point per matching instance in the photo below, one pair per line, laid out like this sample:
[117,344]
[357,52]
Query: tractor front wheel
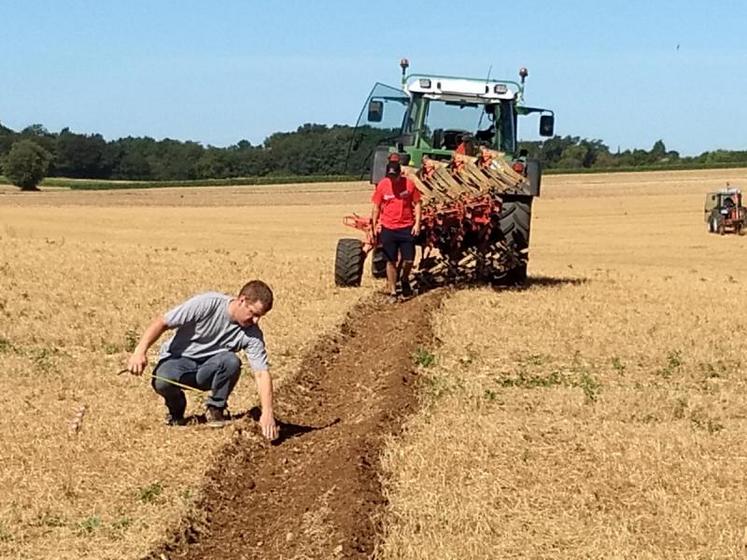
[349,260]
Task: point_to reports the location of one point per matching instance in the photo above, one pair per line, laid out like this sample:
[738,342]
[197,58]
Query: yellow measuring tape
[172,382]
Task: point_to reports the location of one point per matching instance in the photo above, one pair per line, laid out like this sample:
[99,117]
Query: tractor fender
[534,176]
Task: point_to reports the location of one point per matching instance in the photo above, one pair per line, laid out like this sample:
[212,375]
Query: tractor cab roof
[726,191]
[467,91]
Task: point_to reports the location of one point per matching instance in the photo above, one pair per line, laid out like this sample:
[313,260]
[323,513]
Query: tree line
[575,153]
[312,149]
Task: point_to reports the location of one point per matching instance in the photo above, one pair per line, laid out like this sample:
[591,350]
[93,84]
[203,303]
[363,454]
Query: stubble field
[596,414]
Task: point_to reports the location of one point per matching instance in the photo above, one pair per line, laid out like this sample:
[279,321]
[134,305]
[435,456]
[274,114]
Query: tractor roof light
[404,64]
[500,89]
[523,73]
[424,83]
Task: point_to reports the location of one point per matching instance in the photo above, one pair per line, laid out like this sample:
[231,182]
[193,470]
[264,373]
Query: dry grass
[597,414]
[81,274]
[600,413]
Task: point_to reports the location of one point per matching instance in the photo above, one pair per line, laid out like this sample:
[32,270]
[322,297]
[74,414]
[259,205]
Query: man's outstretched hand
[268,426]
[136,364]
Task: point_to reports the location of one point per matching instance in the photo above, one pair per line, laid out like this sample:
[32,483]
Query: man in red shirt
[466,146]
[396,216]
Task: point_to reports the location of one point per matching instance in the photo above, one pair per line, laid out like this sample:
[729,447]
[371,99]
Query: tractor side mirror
[547,125]
[375,110]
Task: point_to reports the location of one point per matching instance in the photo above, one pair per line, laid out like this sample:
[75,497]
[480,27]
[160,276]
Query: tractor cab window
[379,123]
[486,126]
[384,108]
[727,204]
[506,140]
[448,122]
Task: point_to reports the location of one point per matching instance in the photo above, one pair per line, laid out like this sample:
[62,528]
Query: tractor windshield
[451,116]
[446,122]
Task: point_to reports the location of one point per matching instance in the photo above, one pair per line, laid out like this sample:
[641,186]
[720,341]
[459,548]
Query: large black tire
[349,260]
[515,223]
[378,263]
[516,276]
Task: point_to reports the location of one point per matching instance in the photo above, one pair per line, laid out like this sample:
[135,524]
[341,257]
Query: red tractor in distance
[724,212]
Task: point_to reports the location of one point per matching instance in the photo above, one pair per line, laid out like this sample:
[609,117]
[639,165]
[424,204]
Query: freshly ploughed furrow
[315,493]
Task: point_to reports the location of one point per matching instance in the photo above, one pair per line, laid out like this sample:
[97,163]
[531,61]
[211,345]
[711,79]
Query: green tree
[130,158]
[658,151]
[26,164]
[214,163]
[80,155]
[39,134]
[7,137]
[172,160]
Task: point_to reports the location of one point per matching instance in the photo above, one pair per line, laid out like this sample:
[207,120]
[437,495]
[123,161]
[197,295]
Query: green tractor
[452,122]
[724,212]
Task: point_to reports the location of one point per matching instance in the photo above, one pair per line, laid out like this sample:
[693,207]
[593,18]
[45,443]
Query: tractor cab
[724,212]
[437,116]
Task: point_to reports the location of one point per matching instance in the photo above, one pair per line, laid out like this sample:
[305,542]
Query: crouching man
[210,329]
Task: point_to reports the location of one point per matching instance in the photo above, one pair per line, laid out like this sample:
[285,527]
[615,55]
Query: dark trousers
[219,374]
[397,242]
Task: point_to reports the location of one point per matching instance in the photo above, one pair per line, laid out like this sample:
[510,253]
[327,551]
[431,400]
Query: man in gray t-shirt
[210,329]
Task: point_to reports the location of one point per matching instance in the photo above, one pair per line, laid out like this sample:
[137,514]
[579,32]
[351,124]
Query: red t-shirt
[396,200]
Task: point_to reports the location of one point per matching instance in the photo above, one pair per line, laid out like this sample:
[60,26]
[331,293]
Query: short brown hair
[256,290]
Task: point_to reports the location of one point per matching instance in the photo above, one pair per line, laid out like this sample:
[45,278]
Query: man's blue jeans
[219,374]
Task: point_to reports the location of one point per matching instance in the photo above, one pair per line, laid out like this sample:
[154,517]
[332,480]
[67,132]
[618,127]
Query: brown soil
[316,493]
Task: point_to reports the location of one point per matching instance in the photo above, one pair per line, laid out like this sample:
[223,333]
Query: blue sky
[218,72]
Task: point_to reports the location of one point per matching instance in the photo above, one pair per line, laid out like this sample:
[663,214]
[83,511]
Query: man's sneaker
[175,420]
[216,417]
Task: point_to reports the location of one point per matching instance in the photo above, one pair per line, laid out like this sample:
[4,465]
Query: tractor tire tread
[349,259]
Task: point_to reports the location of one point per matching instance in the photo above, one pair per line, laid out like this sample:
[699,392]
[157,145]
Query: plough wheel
[349,260]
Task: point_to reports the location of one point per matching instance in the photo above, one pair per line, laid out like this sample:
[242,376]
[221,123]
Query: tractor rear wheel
[349,260]
[378,263]
[515,221]
[516,276]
